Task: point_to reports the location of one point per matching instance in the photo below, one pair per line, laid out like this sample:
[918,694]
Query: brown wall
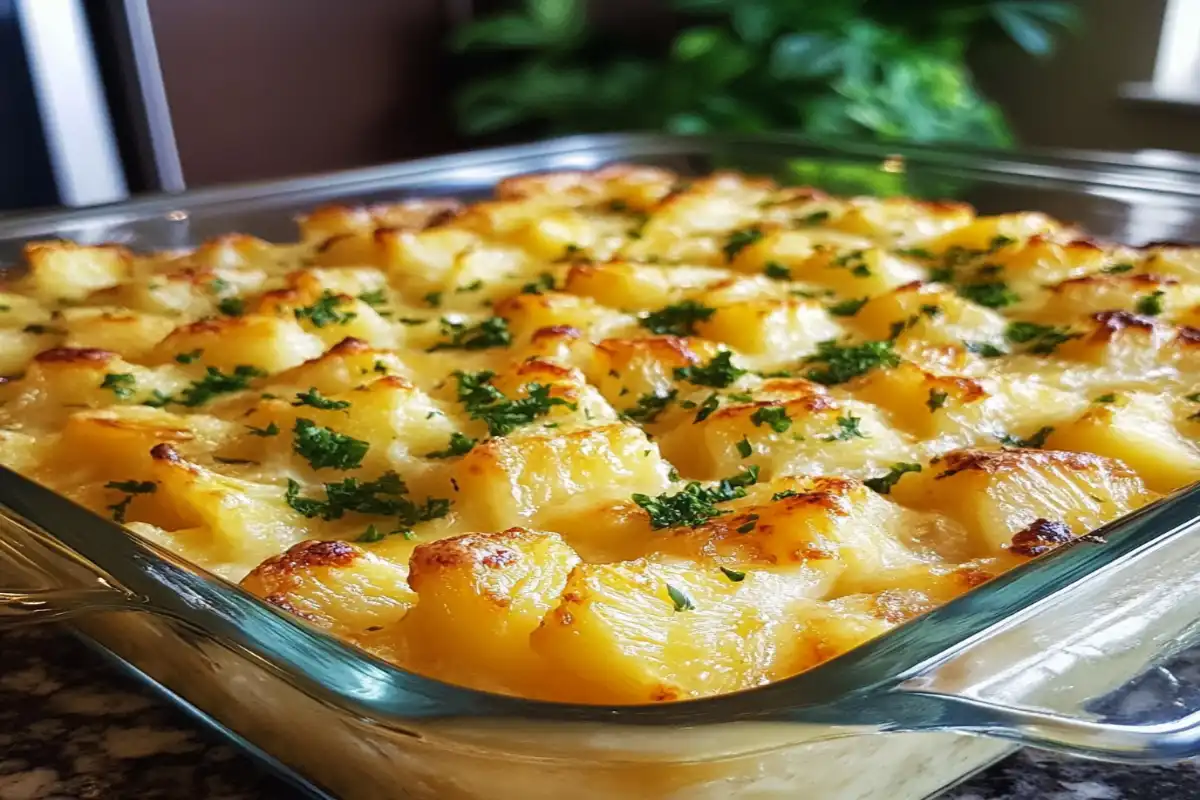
[267,88]
[1073,99]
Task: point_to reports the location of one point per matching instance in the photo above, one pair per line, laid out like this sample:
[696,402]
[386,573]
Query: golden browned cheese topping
[614,436]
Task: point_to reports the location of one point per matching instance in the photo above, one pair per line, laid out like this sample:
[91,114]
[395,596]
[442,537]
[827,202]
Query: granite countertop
[74,728]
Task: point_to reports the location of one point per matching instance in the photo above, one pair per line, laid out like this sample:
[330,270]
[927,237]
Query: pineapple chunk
[479,597]
[335,586]
[789,427]
[118,440]
[68,271]
[268,343]
[650,631]
[996,493]
[541,477]
[1136,429]
[774,332]
[130,334]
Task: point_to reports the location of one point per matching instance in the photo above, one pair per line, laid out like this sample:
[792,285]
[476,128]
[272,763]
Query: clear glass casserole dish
[1043,655]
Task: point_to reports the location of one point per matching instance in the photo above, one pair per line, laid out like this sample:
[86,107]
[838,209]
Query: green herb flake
[232,306]
[371,534]
[937,399]
[314,398]
[459,445]
[984,349]
[1111,397]
[718,373]
[835,363]
[680,599]
[131,488]
[1117,269]
[735,576]
[384,496]
[815,218]
[993,294]
[1043,339]
[848,428]
[1150,305]
[749,525]
[1036,441]
[324,448]
[884,483]
[271,430]
[122,384]
[433,299]
[775,417]
[473,286]
[916,252]
[487,403]
[678,319]
[218,286]
[847,308]
[216,383]
[745,449]
[777,271]
[706,408]
[544,283]
[375,298]
[786,493]
[739,240]
[324,311]
[649,407]
[491,332]
[695,504]
[188,358]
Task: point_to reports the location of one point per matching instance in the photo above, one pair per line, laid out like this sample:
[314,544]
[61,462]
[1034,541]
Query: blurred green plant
[869,69]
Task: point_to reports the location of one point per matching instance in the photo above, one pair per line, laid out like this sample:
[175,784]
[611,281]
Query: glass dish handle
[1100,670]
[40,581]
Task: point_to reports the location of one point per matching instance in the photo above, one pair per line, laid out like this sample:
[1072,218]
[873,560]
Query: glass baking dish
[1083,650]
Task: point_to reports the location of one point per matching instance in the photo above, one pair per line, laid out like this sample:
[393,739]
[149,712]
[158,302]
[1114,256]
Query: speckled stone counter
[74,728]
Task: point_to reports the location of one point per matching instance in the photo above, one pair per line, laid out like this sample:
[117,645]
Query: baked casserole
[611,437]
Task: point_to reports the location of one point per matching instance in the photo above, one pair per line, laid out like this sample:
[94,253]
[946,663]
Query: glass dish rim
[160,579]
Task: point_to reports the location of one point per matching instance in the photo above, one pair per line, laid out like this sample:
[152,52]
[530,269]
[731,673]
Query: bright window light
[1177,70]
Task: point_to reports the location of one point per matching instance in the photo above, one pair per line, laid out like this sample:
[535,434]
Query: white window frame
[1177,68]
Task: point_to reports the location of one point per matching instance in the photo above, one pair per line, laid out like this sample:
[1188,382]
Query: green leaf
[502,32]
[695,43]
[1029,23]
[805,56]
[755,22]
[566,18]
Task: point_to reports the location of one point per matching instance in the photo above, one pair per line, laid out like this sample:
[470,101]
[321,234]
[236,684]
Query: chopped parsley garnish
[1111,397]
[188,358]
[271,430]
[157,399]
[371,534]
[774,417]
[325,311]
[1117,269]
[544,283]
[218,286]
[325,448]
[884,483]
[734,575]
[745,449]
[695,504]
[649,407]
[492,332]
[855,262]
[130,488]
[848,428]
[937,399]
[930,310]
[384,496]
[487,403]
[1038,439]
[777,271]
[473,286]
[433,299]
[232,306]
[459,445]
[739,240]
[839,363]
[710,404]
[1150,305]
[1044,339]
[375,298]
[984,349]
[786,493]
[847,308]
[749,525]
[678,319]
[314,398]
[993,294]
[680,599]
[718,373]
[123,384]
[216,382]
[815,218]
[916,252]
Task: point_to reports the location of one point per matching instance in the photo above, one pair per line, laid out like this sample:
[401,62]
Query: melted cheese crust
[613,436]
